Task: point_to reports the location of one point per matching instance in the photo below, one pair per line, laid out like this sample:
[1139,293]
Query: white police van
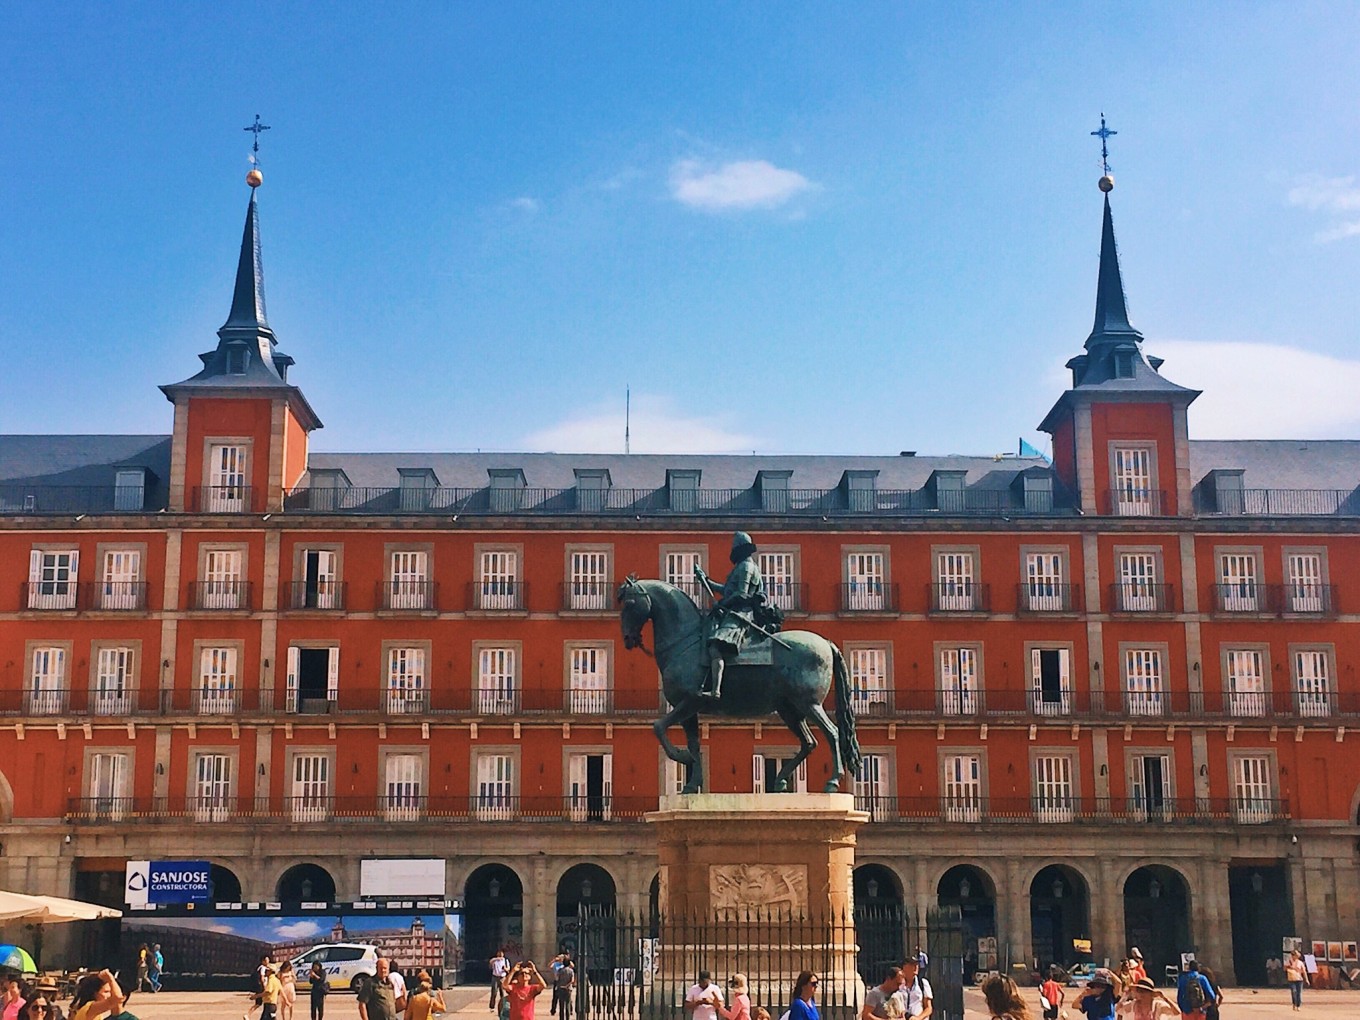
[345,964]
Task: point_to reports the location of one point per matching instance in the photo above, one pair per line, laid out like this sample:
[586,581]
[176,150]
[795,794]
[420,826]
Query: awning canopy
[50,909]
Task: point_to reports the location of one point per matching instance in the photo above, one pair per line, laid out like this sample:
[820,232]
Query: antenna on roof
[627,418]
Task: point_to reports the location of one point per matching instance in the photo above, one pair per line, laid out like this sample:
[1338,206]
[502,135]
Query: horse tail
[845,714]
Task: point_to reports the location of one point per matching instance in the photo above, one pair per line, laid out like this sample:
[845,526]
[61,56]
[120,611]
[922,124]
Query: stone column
[540,913]
[1210,917]
[1107,911]
[922,896]
[1012,906]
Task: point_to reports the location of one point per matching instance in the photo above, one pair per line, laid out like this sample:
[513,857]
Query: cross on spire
[1103,134]
[257,127]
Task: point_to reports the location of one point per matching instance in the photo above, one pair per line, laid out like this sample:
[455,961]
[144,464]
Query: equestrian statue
[737,663]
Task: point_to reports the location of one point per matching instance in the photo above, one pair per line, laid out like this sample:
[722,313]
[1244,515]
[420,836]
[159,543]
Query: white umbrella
[50,909]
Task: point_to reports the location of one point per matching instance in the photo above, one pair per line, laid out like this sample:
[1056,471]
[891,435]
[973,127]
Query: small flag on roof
[1026,450]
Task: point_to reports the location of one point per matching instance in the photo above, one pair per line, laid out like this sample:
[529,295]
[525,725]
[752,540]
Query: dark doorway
[313,673]
[880,922]
[1262,914]
[1059,916]
[223,885]
[100,939]
[1157,917]
[590,887]
[305,883]
[494,919]
[972,891]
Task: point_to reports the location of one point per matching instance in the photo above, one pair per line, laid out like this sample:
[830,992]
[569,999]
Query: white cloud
[525,204]
[749,184]
[1335,195]
[657,427]
[297,930]
[1264,391]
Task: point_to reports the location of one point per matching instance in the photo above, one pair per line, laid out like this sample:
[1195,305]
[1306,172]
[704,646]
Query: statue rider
[735,612]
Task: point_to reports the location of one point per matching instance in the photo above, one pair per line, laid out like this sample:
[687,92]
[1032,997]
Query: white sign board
[402,877]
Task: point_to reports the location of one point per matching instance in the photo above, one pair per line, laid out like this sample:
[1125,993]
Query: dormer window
[774,490]
[1123,364]
[129,489]
[592,487]
[682,490]
[507,489]
[236,359]
[861,489]
[418,486]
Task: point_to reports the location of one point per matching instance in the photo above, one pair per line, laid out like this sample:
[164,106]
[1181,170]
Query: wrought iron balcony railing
[21,498]
[959,597]
[395,596]
[318,595]
[1142,597]
[588,596]
[1246,598]
[868,597]
[1046,597]
[72,596]
[1057,808]
[497,595]
[223,499]
[1279,502]
[220,595]
[1131,502]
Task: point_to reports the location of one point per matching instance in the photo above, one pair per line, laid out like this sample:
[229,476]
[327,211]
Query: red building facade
[1109,698]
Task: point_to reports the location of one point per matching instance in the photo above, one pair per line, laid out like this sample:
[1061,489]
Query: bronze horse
[804,666]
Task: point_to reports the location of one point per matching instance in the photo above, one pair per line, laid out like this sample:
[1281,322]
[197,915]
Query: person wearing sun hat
[1137,971]
[1142,1001]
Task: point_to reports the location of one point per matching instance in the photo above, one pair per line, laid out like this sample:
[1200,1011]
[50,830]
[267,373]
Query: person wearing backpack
[1193,993]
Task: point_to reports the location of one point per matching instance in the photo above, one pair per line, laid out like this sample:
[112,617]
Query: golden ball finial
[1107,183]
[255,178]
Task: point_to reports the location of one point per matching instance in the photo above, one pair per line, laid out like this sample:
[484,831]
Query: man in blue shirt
[1193,993]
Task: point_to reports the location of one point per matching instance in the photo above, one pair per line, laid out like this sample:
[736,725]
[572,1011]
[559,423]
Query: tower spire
[1112,313]
[247,299]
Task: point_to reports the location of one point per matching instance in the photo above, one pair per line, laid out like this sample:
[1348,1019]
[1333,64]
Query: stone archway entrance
[493,919]
[971,890]
[591,887]
[305,883]
[1059,913]
[1157,917]
[880,921]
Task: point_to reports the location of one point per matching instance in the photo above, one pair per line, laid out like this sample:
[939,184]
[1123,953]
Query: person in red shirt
[1136,969]
[1052,995]
[522,985]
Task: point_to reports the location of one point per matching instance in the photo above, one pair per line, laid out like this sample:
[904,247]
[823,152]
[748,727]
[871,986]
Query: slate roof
[80,460]
[1280,463]
[648,471]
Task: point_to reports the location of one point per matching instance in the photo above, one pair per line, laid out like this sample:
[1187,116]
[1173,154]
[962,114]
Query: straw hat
[1145,985]
[738,981]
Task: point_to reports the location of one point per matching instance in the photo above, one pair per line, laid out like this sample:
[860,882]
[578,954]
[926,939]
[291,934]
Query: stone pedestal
[786,853]
[759,884]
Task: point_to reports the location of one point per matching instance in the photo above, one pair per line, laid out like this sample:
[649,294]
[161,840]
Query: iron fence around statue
[641,967]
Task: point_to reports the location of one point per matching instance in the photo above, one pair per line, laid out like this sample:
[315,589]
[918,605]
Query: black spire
[247,301]
[1112,314]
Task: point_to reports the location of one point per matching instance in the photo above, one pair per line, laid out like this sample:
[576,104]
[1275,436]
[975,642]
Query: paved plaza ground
[470,1002]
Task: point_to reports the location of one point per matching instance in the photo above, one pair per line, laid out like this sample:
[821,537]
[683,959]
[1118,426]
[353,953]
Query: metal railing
[223,499]
[588,596]
[1134,503]
[407,596]
[319,595]
[1056,808]
[1279,502]
[1142,597]
[868,597]
[1244,597]
[222,595]
[45,596]
[20,498]
[84,596]
[119,596]
[1044,597]
[495,595]
[959,597]
[1307,599]
[839,501]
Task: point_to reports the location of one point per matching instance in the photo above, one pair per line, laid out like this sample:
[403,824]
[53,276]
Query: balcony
[1057,809]
[1243,598]
[1300,599]
[493,595]
[588,596]
[318,595]
[790,596]
[868,597]
[407,596]
[20,498]
[49,596]
[1043,597]
[1279,502]
[223,499]
[371,809]
[119,596]
[70,596]
[959,597]
[233,595]
[817,503]
[1142,597]
[1131,502]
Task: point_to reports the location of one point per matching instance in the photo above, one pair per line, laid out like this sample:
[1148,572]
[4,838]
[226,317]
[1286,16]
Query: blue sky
[813,228]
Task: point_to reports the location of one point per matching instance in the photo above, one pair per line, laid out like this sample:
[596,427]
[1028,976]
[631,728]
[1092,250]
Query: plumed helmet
[742,546]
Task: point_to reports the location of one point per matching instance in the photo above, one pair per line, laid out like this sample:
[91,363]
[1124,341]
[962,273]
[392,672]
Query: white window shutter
[75,565]
[758,773]
[35,566]
[1036,670]
[1065,669]
[333,673]
[292,679]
